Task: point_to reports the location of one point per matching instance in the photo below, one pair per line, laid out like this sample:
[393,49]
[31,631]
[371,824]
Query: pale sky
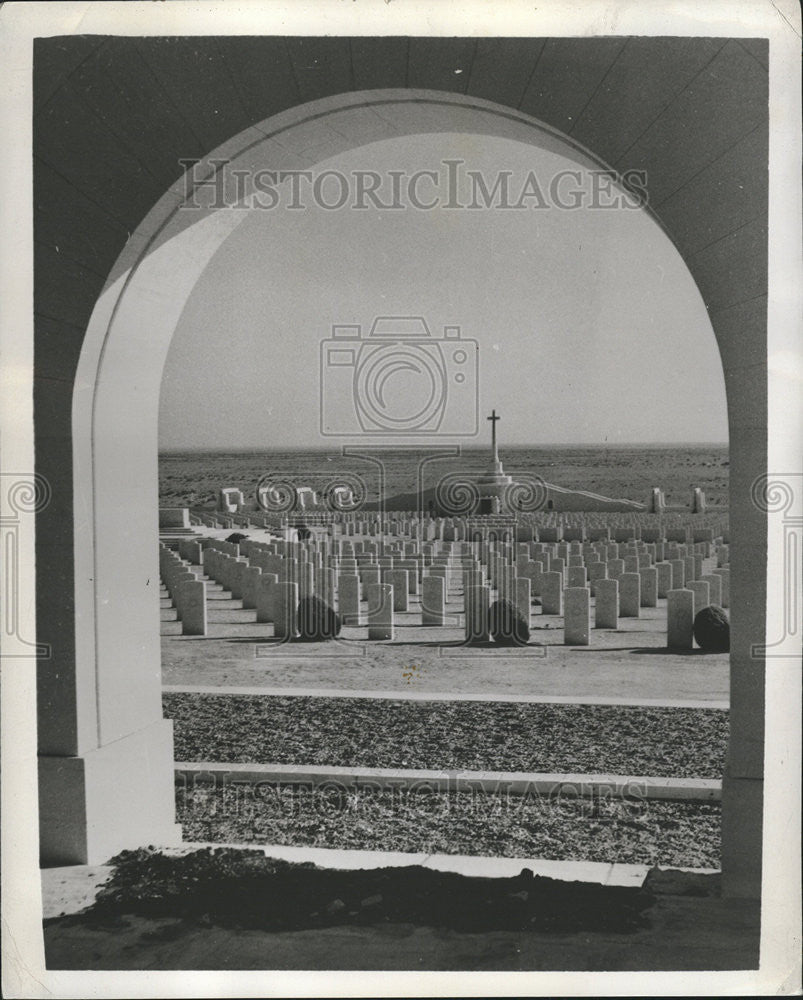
[590,327]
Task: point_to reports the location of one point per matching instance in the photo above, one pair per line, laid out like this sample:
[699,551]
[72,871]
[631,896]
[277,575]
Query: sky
[589,328]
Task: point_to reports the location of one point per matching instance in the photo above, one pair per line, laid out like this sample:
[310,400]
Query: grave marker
[285,605]
[680,619]
[433,600]
[607,604]
[477,614]
[714,587]
[380,611]
[629,595]
[701,593]
[577,616]
[649,587]
[348,598]
[664,570]
[552,593]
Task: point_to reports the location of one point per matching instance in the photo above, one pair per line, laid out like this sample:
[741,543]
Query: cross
[493,418]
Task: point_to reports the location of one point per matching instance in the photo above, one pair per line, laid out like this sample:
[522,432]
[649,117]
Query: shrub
[712,629]
[303,532]
[506,624]
[317,620]
[236,537]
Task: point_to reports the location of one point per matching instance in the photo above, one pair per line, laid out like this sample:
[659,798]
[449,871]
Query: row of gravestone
[591,552]
[278,601]
[586,563]
[525,527]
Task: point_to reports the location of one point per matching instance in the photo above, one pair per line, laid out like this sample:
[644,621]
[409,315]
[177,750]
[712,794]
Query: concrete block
[115,797]
[348,598]
[523,597]
[577,616]
[714,588]
[285,622]
[664,571]
[616,568]
[596,571]
[649,587]
[173,517]
[702,594]
[380,611]
[413,570]
[478,602]
[266,611]
[305,578]
[678,574]
[433,600]
[606,610]
[397,578]
[679,619]
[237,568]
[192,607]
[629,595]
[552,593]
[325,585]
[250,584]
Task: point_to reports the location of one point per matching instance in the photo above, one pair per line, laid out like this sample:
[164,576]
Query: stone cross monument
[493,484]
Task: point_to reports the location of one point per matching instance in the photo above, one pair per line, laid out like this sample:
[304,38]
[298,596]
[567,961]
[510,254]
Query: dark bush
[712,629]
[317,621]
[506,625]
[236,537]
[303,532]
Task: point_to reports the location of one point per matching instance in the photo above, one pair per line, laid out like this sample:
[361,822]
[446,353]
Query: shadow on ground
[235,909]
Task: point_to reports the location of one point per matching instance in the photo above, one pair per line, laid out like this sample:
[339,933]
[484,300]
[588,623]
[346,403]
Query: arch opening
[119,380]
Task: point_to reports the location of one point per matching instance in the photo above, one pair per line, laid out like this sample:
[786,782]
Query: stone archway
[106,774]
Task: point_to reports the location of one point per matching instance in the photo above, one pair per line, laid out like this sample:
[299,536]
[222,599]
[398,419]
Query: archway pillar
[107,799]
[742,334]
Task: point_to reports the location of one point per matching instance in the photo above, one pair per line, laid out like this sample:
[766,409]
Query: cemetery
[513,728]
[545,701]
[541,683]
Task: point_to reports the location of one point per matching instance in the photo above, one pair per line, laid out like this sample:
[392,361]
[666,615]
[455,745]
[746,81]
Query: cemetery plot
[578,605]
[478,736]
[439,598]
[480,581]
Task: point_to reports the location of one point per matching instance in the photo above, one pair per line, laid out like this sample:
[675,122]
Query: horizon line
[255,449]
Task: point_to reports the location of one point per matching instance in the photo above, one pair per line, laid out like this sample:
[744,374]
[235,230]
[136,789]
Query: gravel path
[593,739]
[634,832]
